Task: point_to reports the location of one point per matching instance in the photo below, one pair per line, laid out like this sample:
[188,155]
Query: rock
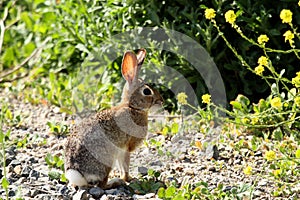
[81,195]
[212,169]
[189,171]
[34,174]
[143,171]
[258,154]
[227,188]
[138,196]
[18,169]
[96,192]
[56,110]
[11,193]
[34,193]
[9,159]
[111,191]
[237,162]
[26,171]
[257,193]
[14,163]
[156,163]
[150,195]
[104,197]
[32,160]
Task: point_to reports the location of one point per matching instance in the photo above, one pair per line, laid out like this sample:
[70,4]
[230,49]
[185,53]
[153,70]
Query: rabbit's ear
[140,57]
[130,67]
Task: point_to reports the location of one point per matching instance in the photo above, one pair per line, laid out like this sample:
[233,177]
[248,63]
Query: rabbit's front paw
[126,177]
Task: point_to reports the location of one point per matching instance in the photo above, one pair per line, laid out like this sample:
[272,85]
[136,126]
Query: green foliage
[54,161]
[56,165]
[58,129]
[201,191]
[3,138]
[149,184]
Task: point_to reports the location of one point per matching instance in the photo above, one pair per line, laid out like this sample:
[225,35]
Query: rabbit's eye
[147,91]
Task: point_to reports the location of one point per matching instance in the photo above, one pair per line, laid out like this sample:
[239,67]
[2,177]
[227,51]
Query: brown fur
[98,141]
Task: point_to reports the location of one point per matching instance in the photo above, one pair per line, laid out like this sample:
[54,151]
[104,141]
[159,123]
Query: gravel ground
[176,159]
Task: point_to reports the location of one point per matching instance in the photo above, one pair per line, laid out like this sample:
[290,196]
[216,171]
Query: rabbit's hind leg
[75,178]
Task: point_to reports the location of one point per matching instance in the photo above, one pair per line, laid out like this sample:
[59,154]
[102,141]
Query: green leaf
[174,128]
[29,48]
[243,100]
[236,105]
[297,154]
[49,159]
[179,197]
[54,175]
[63,178]
[8,114]
[161,193]
[8,56]
[170,192]
[4,183]
[25,17]
[165,130]
[277,133]
[1,136]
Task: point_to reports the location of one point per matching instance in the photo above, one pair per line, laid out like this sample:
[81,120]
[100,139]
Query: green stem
[295,51]
[3,148]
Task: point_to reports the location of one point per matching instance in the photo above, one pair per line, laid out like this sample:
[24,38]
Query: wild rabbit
[95,145]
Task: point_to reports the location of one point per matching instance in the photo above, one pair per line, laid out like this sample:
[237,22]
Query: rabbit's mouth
[157,106]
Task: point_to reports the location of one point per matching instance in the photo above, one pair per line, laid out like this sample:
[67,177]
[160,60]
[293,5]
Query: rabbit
[106,138]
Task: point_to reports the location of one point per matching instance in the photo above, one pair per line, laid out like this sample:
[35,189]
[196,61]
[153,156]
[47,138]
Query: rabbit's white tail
[75,178]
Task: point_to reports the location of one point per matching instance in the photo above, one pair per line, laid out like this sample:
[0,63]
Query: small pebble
[96,192]
[80,195]
[143,171]
[34,174]
[111,191]
[18,169]
[26,171]
[14,163]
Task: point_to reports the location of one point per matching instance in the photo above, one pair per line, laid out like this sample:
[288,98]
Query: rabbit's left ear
[130,67]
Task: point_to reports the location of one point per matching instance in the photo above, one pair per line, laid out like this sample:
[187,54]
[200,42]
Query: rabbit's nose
[159,102]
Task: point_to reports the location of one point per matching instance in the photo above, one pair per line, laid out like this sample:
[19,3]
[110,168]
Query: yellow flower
[297,101]
[254,120]
[288,35]
[296,80]
[299,3]
[286,16]
[277,172]
[206,98]
[245,120]
[262,39]
[259,70]
[181,97]
[248,170]
[270,155]
[276,103]
[210,13]
[230,16]
[263,61]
